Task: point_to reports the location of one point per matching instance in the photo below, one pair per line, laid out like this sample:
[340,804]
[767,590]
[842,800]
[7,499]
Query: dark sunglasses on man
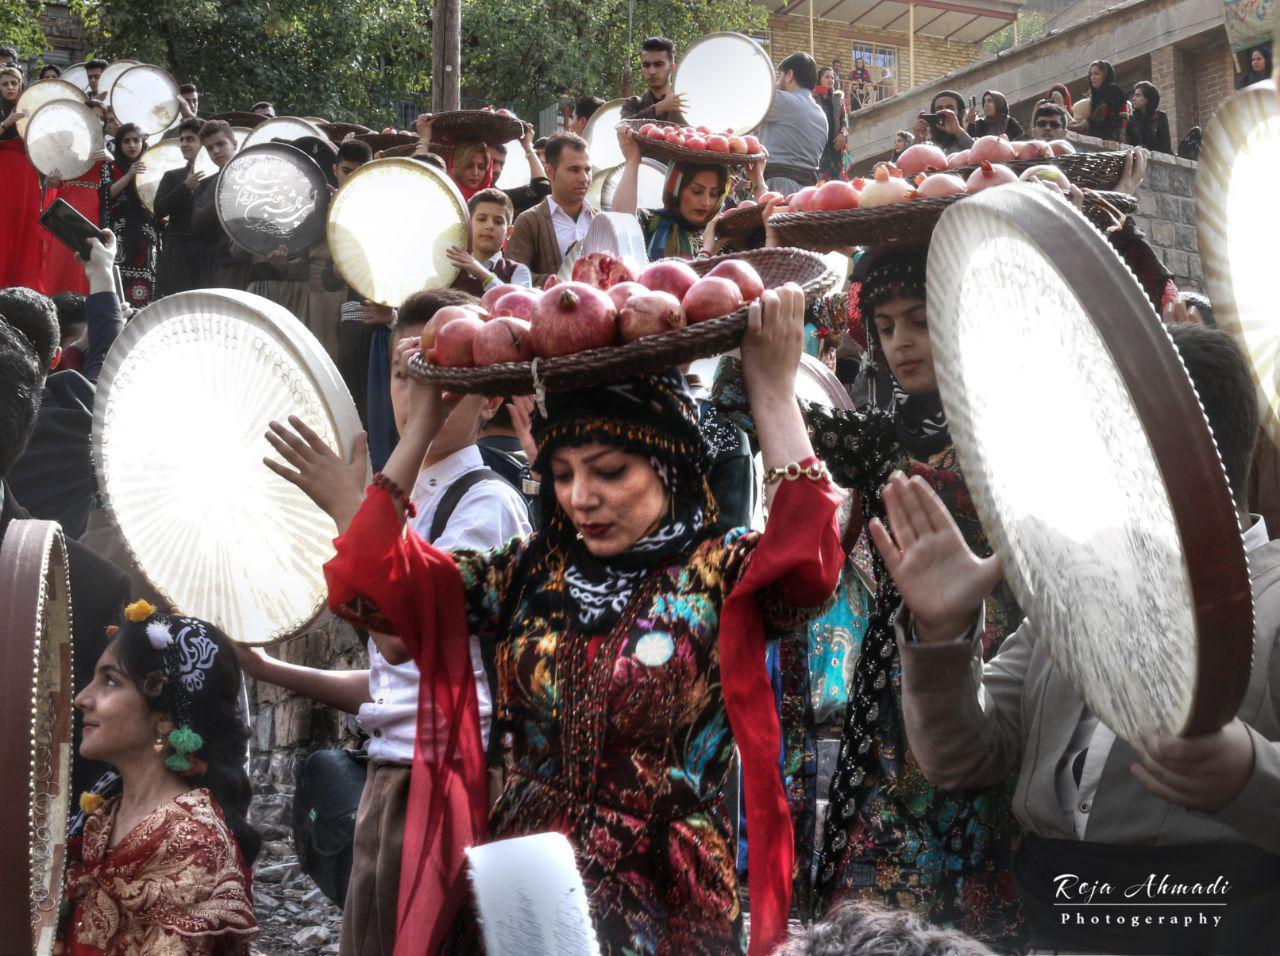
[1048,124]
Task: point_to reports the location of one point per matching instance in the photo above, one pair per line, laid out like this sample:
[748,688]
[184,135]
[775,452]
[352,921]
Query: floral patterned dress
[175,885]
[621,739]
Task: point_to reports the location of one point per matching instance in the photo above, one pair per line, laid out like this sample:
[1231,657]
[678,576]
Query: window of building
[874,75]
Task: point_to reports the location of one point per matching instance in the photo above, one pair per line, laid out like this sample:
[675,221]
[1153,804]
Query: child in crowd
[485,266]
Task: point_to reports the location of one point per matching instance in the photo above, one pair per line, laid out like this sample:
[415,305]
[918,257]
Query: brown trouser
[369,915]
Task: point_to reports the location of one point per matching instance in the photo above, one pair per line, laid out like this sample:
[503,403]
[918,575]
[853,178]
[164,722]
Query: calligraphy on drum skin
[264,194]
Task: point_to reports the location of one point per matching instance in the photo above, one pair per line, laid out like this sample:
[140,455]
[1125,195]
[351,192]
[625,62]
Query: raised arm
[101,307]
[625,197]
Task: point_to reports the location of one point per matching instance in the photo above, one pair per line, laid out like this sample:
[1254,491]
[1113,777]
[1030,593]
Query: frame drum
[515,171]
[728,82]
[37,94]
[1090,463]
[652,179]
[273,195]
[161,158]
[35,664]
[282,127]
[77,76]
[390,227]
[148,96]
[63,137]
[112,73]
[1235,224]
[601,135]
[183,402]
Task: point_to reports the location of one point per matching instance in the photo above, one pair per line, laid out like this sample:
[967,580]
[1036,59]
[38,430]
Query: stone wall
[834,41]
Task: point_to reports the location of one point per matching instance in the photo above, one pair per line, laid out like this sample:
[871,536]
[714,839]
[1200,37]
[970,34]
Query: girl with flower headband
[627,637]
[159,857]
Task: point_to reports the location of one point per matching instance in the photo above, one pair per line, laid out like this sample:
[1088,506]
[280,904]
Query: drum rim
[172,83]
[95,133]
[764,57]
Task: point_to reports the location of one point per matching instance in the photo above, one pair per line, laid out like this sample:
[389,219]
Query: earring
[158,746]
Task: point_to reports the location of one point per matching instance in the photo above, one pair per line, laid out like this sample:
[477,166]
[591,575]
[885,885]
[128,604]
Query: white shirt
[489,515]
[522,275]
[569,230]
[1077,800]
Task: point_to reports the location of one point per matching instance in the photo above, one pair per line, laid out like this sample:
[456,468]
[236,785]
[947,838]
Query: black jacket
[99,592]
[1153,135]
[54,478]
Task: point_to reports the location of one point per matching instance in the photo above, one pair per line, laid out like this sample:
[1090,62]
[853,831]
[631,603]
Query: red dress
[63,269]
[175,884]
[21,241]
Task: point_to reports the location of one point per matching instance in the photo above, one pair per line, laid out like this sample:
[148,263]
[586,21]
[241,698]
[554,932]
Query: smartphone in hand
[69,227]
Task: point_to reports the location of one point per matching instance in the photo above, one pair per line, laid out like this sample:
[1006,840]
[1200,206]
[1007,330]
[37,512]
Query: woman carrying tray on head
[470,168]
[627,638]
[692,197]
[159,858]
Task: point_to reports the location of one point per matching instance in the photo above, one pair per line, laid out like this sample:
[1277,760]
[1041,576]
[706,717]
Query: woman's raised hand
[629,146]
[773,343]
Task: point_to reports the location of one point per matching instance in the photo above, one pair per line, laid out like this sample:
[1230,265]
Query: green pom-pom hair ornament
[185,742]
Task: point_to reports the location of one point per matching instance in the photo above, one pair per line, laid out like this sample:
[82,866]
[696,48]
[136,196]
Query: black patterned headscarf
[655,417]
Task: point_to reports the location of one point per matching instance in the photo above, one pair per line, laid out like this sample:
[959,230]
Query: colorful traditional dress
[618,681]
[21,237]
[175,885]
[666,233]
[63,269]
[138,242]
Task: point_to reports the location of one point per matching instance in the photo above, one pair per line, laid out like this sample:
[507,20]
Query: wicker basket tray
[737,224]
[667,152]
[651,354]
[907,223]
[338,131]
[454,126]
[1086,170]
[381,142]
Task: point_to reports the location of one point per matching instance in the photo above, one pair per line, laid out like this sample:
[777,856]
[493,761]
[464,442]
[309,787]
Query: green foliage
[1031,26]
[354,59]
[20,27]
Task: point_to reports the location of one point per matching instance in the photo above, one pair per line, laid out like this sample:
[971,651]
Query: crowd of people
[595,615]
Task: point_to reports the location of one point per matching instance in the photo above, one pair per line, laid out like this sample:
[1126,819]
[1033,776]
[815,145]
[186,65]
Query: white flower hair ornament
[159,635]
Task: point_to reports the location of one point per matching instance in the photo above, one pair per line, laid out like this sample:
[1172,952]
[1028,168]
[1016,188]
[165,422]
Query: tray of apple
[892,208]
[1086,170]
[694,144]
[613,319]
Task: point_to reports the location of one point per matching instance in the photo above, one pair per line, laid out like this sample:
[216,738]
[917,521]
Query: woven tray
[668,152]
[651,354]
[338,131]
[739,223]
[1086,170]
[907,223]
[454,126]
[241,118]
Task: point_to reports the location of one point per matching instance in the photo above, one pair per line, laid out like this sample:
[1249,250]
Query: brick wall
[834,41]
[1214,70]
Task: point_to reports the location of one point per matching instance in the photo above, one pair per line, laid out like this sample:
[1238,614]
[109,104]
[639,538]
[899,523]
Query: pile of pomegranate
[922,172]
[607,301]
[699,137]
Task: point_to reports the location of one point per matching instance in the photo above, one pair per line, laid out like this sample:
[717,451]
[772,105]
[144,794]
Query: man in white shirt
[460,504]
[545,233]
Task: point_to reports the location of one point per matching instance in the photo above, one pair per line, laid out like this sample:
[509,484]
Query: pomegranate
[992,149]
[1032,149]
[621,292]
[956,160]
[767,197]
[718,144]
[743,275]
[497,292]
[988,175]
[711,297]
[573,317]
[550,281]
[440,319]
[620,270]
[503,339]
[737,144]
[916,159]
[1062,147]
[835,194]
[591,268]
[940,185]
[1048,174]
[650,313]
[745,204]
[753,144]
[696,142]
[650,129]
[884,189]
[801,199]
[455,341]
[672,276]
[517,302]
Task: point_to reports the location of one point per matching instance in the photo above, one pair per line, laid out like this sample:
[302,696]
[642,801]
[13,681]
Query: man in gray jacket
[1156,844]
